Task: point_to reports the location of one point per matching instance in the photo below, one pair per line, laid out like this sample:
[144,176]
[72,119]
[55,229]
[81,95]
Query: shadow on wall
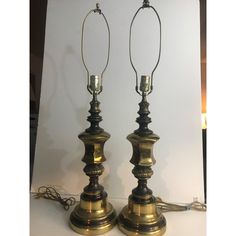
[56,165]
[74,167]
[158,178]
[111,176]
[72,85]
[48,159]
[81,115]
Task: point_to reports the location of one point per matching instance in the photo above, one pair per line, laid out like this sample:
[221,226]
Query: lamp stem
[94,118]
[143,120]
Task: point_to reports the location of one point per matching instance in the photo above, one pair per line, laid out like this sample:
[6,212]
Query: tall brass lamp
[141,216]
[94,214]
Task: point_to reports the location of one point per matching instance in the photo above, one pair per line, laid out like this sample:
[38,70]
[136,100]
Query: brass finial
[98,8]
[146,3]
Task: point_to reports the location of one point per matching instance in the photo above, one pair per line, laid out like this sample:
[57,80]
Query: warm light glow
[204,120]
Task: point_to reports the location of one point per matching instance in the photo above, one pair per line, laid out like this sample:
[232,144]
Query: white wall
[175,102]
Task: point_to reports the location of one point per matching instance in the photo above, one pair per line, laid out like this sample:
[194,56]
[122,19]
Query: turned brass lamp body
[93,215]
[141,216]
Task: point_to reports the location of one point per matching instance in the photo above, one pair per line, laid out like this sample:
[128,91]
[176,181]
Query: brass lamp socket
[145,84]
[95,83]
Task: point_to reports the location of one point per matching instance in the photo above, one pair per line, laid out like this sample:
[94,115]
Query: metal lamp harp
[95,79]
[145,79]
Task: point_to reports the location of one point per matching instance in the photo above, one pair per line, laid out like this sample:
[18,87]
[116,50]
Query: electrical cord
[166,207]
[52,194]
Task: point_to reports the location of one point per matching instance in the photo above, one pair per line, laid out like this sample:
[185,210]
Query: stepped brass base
[93,217]
[141,219]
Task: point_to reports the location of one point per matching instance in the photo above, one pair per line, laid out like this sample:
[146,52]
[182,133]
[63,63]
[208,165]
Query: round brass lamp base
[93,217]
[141,219]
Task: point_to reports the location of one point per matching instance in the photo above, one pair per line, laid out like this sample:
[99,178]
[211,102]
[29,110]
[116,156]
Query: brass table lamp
[141,216]
[94,214]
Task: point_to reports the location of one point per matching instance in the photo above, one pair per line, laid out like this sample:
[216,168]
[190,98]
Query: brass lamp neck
[143,120]
[94,118]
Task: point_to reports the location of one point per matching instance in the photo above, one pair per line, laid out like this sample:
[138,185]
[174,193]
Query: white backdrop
[175,103]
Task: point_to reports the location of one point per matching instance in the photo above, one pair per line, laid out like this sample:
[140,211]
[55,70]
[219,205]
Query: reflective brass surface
[145,84]
[93,217]
[94,147]
[143,149]
[141,219]
[141,216]
[95,83]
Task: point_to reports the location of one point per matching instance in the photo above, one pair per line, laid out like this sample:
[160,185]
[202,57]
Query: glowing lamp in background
[204,120]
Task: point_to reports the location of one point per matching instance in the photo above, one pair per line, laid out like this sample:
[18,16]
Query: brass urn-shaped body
[94,214]
[141,216]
